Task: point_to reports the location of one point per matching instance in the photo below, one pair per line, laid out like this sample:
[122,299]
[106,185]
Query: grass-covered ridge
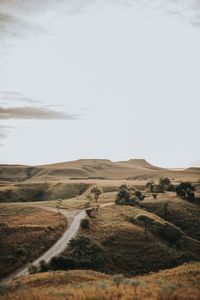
[130,248]
[180,283]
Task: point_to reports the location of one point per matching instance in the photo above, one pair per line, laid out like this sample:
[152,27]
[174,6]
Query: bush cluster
[84,253]
[128,196]
[164,185]
[186,190]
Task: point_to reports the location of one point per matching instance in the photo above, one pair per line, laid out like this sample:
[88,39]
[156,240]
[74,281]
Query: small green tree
[118,279]
[125,196]
[58,204]
[165,184]
[150,186]
[96,191]
[185,190]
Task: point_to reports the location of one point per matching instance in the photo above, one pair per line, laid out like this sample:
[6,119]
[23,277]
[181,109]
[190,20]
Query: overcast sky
[100,79]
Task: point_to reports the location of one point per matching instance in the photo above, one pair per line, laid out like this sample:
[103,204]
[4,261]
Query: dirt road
[74,219]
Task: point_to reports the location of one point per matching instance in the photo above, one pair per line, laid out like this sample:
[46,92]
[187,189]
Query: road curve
[57,248]
[60,245]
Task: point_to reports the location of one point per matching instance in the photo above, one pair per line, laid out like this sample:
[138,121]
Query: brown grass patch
[181,283]
[26,233]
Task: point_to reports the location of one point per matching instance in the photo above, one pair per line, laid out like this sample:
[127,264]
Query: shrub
[90,212]
[39,193]
[61,263]
[43,266]
[166,184]
[96,191]
[164,230]
[85,223]
[118,279]
[186,190]
[154,188]
[32,269]
[124,196]
[133,282]
[87,252]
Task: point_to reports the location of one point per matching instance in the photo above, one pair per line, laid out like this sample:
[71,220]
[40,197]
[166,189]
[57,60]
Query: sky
[115,79]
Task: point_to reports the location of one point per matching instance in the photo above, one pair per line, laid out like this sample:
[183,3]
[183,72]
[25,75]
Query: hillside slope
[91,169]
[132,251]
[180,283]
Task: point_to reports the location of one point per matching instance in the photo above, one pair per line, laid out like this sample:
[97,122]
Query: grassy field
[169,238]
[26,233]
[131,251]
[180,283]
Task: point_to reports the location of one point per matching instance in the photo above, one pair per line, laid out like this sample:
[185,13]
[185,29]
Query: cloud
[7,96]
[39,113]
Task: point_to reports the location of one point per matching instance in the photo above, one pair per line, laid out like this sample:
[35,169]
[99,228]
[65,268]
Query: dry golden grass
[181,283]
[26,233]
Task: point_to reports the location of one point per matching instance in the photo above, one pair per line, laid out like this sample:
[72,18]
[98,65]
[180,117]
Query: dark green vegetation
[129,240]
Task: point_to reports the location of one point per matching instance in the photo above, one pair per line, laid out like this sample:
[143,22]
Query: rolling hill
[93,169]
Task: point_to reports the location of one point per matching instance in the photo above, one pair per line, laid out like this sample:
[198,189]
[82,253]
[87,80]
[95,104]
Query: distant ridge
[193,169]
[90,169]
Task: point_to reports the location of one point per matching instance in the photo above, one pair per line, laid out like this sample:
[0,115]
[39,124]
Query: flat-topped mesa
[138,162]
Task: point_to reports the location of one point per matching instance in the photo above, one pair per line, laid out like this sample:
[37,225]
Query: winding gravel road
[74,219]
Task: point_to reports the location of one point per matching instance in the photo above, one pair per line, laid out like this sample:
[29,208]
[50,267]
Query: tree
[165,184]
[150,186]
[124,196]
[58,204]
[185,190]
[96,191]
[85,223]
[87,252]
[154,195]
[61,262]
